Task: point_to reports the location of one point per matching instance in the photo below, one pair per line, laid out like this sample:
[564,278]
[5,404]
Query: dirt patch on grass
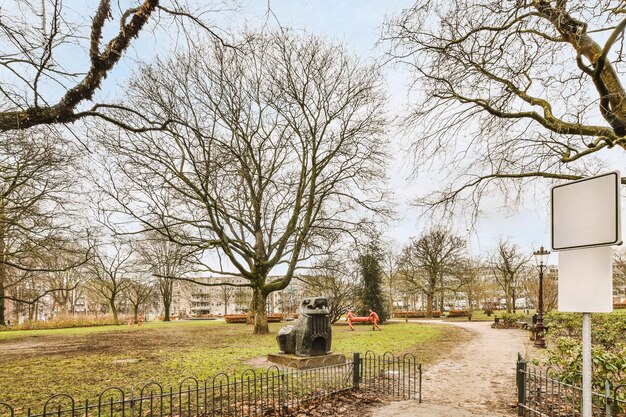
[449,345]
[113,342]
[259,362]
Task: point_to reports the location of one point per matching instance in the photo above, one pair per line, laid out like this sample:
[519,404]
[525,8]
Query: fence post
[420,371]
[283,391]
[521,384]
[356,370]
[132,403]
[607,398]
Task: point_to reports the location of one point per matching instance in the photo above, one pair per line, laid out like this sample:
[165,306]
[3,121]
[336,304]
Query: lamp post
[541,259]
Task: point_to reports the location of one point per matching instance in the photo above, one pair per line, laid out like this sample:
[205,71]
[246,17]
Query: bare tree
[530,283]
[36,235]
[167,261]
[226,294]
[471,282]
[390,265]
[427,261]
[43,84]
[508,266]
[274,146]
[619,271]
[332,278]
[109,273]
[512,90]
[68,287]
[140,292]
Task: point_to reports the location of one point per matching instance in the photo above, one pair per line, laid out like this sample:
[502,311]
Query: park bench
[371,319]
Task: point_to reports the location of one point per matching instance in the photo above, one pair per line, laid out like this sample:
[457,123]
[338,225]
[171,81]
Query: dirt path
[477,379]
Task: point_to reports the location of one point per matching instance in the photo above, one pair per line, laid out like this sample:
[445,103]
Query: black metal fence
[272,392]
[542,392]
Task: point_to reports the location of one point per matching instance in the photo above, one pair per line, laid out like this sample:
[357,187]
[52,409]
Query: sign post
[586,222]
[587,371]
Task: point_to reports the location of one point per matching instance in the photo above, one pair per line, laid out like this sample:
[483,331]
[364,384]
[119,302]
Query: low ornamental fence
[272,392]
[542,392]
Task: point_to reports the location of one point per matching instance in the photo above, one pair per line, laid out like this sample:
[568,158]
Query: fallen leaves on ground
[343,404]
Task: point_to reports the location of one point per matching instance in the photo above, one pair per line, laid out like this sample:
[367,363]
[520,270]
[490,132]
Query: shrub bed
[65,323]
[415,314]
[275,318]
[242,318]
[509,320]
[206,316]
[458,313]
[236,318]
[608,353]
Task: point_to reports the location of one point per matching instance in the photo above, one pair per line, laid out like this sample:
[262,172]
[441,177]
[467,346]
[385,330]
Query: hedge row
[66,322]
[242,318]
[458,313]
[415,314]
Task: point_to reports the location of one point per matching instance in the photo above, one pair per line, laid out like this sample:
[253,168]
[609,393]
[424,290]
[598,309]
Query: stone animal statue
[311,334]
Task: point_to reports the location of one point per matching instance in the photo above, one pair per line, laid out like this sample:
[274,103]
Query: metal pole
[587,400]
[521,384]
[539,341]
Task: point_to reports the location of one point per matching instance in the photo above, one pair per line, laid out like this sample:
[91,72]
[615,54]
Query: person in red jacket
[349,319]
[374,319]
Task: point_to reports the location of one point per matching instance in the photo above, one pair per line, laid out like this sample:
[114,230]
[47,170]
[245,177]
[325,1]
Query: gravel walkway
[477,379]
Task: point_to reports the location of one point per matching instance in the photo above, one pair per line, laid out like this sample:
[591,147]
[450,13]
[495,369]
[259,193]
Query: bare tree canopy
[35,233]
[52,60]
[509,268]
[269,152]
[110,271]
[512,90]
[471,282]
[427,262]
[332,278]
[166,261]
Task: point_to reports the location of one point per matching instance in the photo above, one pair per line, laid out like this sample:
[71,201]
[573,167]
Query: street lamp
[541,259]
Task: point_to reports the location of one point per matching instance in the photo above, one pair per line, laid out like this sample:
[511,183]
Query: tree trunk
[3,269]
[514,297]
[63,307]
[429,304]
[135,313]
[166,306]
[441,301]
[260,315]
[2,319]
[507,296]
[114,311]
[31,312]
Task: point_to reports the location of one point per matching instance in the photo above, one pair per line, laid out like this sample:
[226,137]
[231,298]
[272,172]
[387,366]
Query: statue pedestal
[306,362]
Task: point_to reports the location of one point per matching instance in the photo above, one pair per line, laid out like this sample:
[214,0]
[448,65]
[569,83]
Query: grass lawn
[84,361]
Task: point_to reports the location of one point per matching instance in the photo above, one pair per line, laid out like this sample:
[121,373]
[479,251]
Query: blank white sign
[586,280]
[586,213]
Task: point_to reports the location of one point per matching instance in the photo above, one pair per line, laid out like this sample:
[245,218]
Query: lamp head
[541,256]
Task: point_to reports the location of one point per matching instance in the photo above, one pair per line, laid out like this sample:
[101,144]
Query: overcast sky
[358,23]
